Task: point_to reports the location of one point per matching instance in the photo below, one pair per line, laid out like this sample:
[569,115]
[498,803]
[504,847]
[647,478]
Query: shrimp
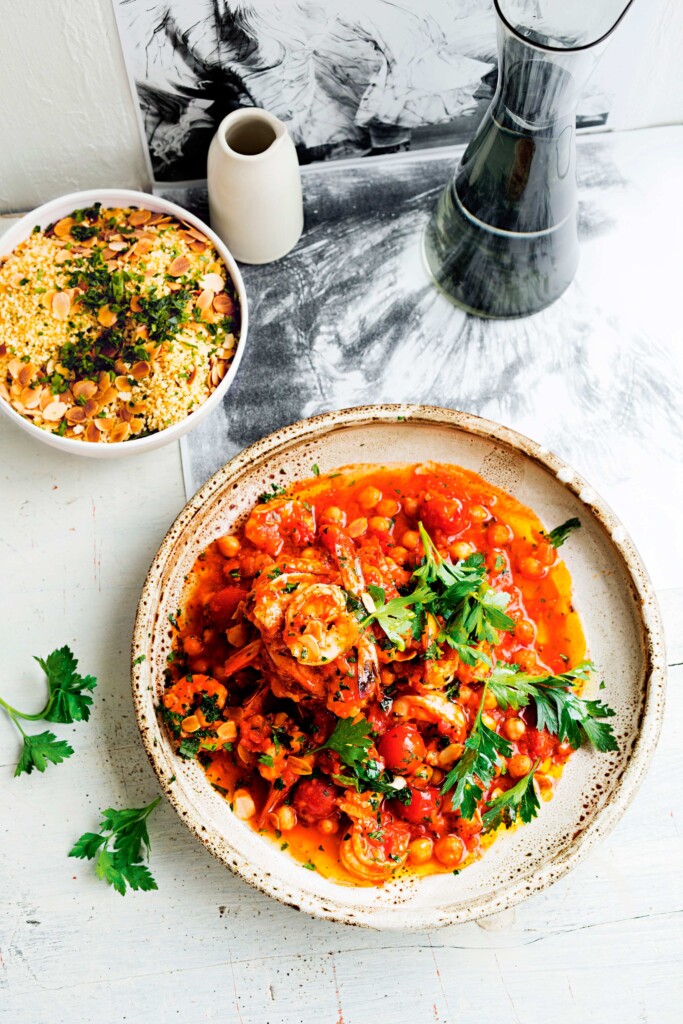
[343,550]
[436,709]
[190,690]
[273,591]
[240,659]
[272,522]
[371,851]
[318,628]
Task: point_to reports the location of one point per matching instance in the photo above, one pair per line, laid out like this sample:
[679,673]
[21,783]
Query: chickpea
[369,497]
[247,565]
[420,851]
[262,561]
[411,506]
[514,729]
[437,777]
[193,646]
[399,554]
[499,534]
[243,804]
[379,524]
[357,527]
[525,631]
[328,826]
[478,514]
[309,553]
[531,568]
[228,546]
[387,676]
[410,539]
[190,724]
[564,749]
[200,666]
[489,721]
[333,514]
[467,828]
[461,549]
[490,701]
[284,819]
[400,707]
[421,776]
[526,660]
[465,694]
[519,765]
[388,507]
[449,851]
[545,553]
[449,754]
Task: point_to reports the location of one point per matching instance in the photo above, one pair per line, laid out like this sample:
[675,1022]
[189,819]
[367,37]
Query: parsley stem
[13,713]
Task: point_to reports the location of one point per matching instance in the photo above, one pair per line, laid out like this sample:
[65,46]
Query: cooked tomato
[222,605]
[402,749]
[315,799]
[540,744]
[423,808]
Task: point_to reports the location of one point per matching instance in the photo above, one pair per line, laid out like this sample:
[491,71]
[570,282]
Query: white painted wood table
[77,537]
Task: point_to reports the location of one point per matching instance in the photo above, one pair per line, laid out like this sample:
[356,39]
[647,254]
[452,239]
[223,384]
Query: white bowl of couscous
[123,320]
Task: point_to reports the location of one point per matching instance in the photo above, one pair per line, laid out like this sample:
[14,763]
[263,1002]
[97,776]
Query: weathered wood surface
[77,537]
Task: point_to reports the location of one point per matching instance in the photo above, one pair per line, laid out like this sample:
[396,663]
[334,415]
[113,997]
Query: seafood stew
[381,670]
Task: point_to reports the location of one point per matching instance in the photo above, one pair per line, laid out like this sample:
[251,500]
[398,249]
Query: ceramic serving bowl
[612,593]
[50,212]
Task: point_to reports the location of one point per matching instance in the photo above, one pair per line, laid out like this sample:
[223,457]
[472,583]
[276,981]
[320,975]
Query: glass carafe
[502,241]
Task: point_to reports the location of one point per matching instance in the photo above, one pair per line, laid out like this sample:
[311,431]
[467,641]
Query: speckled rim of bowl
[61,207]
[605,819]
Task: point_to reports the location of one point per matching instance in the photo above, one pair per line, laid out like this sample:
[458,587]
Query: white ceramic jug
[254,186]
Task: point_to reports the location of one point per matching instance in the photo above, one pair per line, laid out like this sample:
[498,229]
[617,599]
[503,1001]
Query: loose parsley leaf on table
[520,801]
[122,865]
[558,536]
[68,701]
[558,708]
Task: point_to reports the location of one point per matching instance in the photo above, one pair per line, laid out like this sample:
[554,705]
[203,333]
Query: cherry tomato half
[423,808]
[222,605]
[402,748]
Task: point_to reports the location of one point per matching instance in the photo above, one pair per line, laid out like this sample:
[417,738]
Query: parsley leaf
[395,616]
[558,536]
[473,773]
[38,750]
[69,692]
[558,708]
[521,801]
[121,865]
[351,740]
[276,490]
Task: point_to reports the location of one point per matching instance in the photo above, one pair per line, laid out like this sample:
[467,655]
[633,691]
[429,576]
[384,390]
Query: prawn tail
[242,658]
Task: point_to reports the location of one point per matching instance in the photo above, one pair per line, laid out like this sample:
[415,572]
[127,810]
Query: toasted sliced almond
[91,434]
[142,331]
[90,408]
[30,397]
[136,425]
[76,414]
[139,217]
[144,247]
[63,227]
[45,399]
[121,432]
[299,766]
[106,316]
[26,374]
[117,246]
[135,304]
[205,299]
[121,383]
[140,370]
[54,412]
[15,367]
[104,423]
[63,255]
[84,389]
[197,246]
[213,281]
[61,304]
[4,391]
[125,415]
[179,266]
[223,304]
[108,396]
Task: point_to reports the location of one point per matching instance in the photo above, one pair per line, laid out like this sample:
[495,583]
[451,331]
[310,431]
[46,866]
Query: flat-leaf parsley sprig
[68,700]
[121,864]
[558,708]
[518,802]
[351,739]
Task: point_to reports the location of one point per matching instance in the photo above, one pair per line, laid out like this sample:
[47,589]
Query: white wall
[67,116]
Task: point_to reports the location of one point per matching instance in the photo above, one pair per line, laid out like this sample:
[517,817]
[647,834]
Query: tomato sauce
[278,619]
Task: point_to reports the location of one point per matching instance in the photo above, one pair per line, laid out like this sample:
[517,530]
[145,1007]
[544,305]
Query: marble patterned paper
[350,317]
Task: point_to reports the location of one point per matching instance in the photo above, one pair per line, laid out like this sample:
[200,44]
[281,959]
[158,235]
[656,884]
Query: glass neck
[538,88]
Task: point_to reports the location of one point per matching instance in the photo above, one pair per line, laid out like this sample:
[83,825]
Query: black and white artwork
[356,78]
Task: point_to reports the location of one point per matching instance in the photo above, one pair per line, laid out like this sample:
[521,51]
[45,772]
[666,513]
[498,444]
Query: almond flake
[213,281]
[139,217]
[106,316]
[180,266]
[61,304]
[54,412]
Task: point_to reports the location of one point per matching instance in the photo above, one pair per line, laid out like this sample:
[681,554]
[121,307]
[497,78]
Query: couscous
[114,323]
